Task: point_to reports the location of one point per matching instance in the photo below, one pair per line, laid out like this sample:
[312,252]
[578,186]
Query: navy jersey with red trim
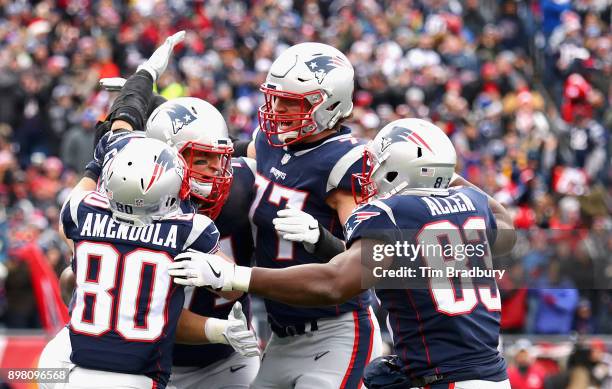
[236,242]
[126,306]
[301,176]
[440,330]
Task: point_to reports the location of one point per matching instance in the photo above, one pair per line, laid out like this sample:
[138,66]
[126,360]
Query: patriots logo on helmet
[179,116]
[165,161]
[399,134]
[323,64]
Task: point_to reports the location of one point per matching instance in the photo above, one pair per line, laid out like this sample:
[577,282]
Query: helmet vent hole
[300,79]
[142,183]
[419,152]
[130,163]
[333,106]
[155,158]
[194,110]
[123,178]
[391,176]
[172,201]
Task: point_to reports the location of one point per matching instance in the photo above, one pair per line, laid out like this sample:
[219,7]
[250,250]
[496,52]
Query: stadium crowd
[522,88]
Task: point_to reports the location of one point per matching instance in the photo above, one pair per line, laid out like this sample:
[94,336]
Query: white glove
[157,63]
[297,226]
[112,84]
[233,331]
[193,268]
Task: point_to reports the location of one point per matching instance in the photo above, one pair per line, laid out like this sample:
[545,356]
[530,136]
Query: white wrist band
[213,329]
[242,278]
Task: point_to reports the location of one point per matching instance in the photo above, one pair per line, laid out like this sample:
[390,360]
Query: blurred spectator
[524,372]
[556,301]
[77,144]
[589,366]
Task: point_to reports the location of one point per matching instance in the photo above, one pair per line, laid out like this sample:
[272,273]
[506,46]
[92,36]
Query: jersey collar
[306,146]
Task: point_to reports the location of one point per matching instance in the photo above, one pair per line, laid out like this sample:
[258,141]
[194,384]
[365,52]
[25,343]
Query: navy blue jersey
[236,242]
[301,176]
[436,329]
[126,306]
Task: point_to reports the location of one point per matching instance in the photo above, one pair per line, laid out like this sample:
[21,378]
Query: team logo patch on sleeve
[356,219]
[323,64]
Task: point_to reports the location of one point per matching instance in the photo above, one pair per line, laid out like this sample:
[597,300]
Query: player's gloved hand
[233,331]
[193,268]
[112,84]
[107,147]
[297,226]
[157,63]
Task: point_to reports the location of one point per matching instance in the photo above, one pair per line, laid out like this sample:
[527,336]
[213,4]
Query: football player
[305,158]
[139,87]
[125,310]
[445,332]
[221,188]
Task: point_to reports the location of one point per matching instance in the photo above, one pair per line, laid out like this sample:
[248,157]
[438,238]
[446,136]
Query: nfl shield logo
[139,202]
[285,159]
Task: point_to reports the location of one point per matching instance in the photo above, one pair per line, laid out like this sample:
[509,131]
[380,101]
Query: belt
[427,380]
[294,330]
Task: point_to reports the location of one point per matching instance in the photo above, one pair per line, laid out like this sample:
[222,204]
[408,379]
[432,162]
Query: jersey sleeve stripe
[200,223]
[385,208]
[342,166]
[75,200]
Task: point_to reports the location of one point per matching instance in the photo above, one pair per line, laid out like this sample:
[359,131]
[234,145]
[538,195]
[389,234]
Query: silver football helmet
[405,154]
[145,181]
[194,126]
[316,77]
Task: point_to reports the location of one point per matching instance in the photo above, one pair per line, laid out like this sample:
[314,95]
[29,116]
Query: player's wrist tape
[214,329]
[133,102]
[327,247]
[242,278]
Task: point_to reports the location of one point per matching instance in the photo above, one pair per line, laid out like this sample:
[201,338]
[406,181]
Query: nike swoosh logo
[234,369]
[216,273]
[320,355]
[313,228]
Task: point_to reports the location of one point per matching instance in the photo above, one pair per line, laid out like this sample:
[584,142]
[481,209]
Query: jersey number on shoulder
[441,288]
[295,199]
[142,292]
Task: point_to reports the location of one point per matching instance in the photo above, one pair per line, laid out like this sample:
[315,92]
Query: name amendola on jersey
[103,226]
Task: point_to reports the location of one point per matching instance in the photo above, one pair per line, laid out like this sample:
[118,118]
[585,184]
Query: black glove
[109,144]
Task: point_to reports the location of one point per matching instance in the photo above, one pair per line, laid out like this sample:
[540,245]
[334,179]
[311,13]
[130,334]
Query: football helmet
[193,126]
[145,181]
[315,77]
[405,154]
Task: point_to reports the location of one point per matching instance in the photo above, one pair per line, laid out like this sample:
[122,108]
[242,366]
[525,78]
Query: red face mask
[299,119]
[361,183]
[220,183]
